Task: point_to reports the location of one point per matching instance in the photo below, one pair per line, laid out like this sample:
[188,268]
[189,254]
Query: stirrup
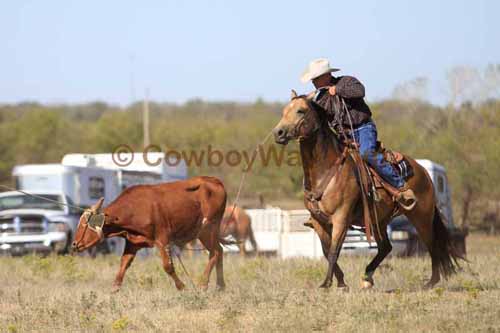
[401,200]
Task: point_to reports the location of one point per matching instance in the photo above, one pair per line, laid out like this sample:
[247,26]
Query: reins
[358,166]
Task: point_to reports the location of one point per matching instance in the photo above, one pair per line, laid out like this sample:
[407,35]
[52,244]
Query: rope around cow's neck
[43,198]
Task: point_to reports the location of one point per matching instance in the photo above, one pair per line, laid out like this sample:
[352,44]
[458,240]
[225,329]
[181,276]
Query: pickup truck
[31,224]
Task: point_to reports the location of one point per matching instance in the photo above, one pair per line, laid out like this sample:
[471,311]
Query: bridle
[298,127]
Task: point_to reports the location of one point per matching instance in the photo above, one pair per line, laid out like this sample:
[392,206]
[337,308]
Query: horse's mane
[322,115]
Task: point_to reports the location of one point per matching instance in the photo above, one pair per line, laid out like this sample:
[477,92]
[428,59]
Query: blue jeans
[366,137]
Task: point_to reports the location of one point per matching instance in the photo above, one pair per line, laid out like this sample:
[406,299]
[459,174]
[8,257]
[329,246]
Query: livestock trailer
[83,185]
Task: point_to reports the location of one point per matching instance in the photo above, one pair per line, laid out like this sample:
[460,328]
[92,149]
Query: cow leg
[128,256]
[211,243]
[168,265]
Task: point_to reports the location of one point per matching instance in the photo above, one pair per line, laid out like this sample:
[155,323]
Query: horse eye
[300,111]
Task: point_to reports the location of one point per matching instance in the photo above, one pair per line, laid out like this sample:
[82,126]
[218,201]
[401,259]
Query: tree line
[465,138]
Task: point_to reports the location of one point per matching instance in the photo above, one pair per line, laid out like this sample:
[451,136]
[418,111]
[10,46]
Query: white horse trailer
[83,185]
[282,233]
[133,168]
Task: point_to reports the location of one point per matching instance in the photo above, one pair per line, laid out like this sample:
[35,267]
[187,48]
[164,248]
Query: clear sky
[78,51]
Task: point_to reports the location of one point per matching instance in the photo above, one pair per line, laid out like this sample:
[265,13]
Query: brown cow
[238,224]
[159,216]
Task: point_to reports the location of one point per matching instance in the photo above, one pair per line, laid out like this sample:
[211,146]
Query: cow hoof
[115,289]
[220,287]
[204,287]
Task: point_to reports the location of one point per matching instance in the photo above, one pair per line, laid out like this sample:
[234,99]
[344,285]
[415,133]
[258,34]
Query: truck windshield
[25,201]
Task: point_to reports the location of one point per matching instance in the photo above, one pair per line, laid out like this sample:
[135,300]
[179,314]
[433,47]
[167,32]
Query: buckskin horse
[327,166]
[235,223]
[238,224]
[159,216]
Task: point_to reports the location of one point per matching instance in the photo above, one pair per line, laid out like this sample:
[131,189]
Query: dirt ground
[72,294]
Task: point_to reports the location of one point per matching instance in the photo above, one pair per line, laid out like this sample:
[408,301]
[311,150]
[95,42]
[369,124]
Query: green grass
[262,294]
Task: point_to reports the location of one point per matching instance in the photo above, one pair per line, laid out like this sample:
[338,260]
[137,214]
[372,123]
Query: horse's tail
[443,251]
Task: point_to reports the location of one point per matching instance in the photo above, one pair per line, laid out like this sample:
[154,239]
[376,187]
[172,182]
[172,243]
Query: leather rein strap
[313,196]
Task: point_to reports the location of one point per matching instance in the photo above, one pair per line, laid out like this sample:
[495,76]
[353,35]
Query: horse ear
[97,207]
[311,95]
[293,95]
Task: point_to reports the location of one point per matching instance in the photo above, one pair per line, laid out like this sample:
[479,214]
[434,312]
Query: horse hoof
[429,285]
[220,288]
[203,287]
[180,286]
[325,285]
[343,287]
[115,289]
[365,285]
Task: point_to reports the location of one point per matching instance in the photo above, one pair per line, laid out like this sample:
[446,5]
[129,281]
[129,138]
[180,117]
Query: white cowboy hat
[317,68]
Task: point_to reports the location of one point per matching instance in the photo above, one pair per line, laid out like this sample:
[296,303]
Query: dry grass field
[71,294]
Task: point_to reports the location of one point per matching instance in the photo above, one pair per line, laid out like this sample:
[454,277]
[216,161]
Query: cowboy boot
[406,197]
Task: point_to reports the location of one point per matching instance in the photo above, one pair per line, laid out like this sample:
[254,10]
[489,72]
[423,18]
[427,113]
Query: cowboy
[358,120]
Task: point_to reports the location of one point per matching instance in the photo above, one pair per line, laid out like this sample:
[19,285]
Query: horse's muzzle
[280,136]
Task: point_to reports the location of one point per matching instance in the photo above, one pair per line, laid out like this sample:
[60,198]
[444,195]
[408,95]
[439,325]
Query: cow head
[89,231]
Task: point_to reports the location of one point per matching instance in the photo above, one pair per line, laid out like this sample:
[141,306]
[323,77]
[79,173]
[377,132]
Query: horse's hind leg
[384,248]
[241,246]
[324,236]
[422,219]
[168,266]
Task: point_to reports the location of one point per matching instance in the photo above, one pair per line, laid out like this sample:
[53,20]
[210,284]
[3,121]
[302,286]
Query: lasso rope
[43,198]
[243,177]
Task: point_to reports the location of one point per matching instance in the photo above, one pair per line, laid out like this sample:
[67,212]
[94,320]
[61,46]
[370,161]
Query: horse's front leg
[324,234]
[339,231]
[384,248]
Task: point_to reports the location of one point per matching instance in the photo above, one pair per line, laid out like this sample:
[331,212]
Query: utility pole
[145,119]
[132,79]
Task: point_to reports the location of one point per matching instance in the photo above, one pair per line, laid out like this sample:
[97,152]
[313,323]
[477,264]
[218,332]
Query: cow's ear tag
[96,220]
